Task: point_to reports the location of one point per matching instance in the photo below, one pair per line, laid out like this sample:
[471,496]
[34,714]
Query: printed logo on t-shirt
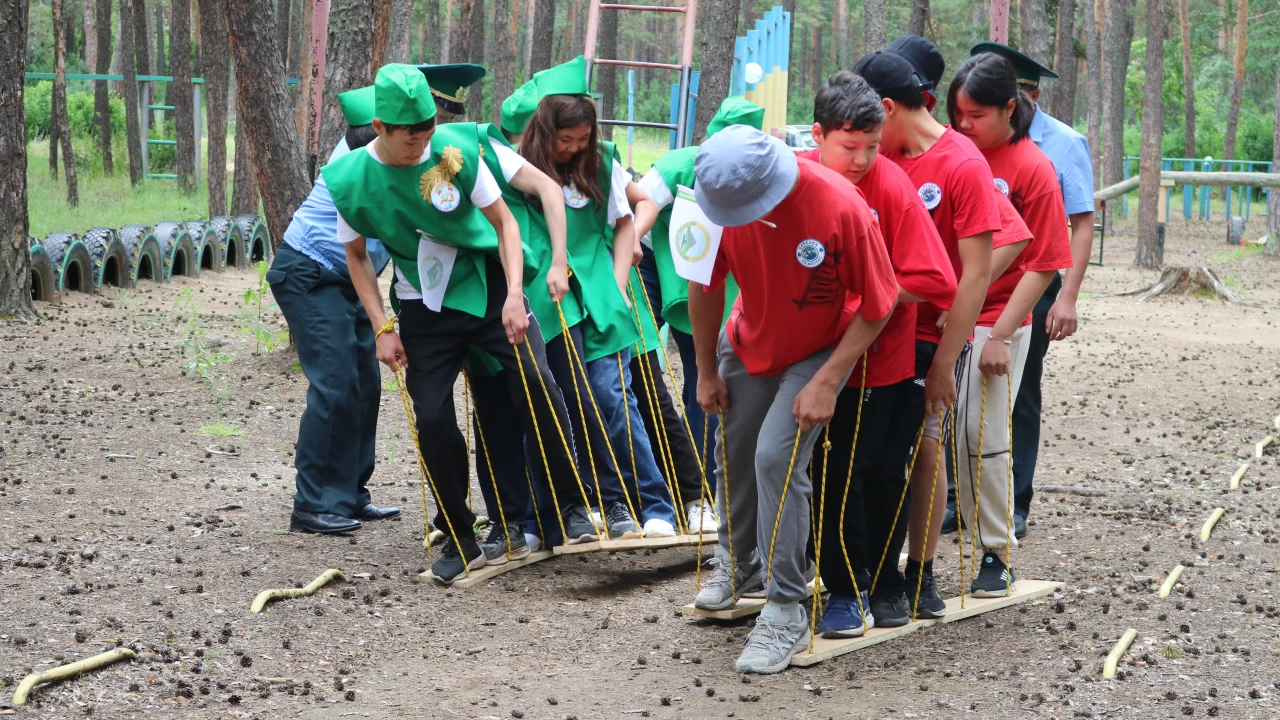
[810,253]
[445,196]
[1002,186]
[931,195]
[693,241]
[574,198]
[434,273]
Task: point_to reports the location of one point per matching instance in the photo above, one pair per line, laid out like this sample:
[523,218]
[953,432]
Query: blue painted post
[1124,208]
[1206,193]
[1167,165]
[631,113]
[786,63]
[1188,192]
[738,85]
[1228,168]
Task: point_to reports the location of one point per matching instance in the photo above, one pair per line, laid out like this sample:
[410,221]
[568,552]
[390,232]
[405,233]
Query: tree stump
[1187,281]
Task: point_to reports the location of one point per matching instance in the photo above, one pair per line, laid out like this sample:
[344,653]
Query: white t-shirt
[485,193]
[656,188]
[618,205]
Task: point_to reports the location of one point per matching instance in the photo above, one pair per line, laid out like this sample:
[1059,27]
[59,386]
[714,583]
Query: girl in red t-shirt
[985,105]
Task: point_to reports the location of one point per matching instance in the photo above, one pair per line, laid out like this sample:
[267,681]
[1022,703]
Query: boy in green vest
[459,265]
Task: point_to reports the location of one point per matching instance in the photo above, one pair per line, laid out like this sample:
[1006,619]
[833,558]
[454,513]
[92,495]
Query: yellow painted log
[1214,517]
[1257,449]
[1235,479]
[266,596]
[1117,652]
[437,536]
[1277,422]
[63,672]
[1170,581]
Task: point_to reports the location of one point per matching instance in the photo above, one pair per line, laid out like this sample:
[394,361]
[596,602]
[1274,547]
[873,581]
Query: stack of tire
[105,257]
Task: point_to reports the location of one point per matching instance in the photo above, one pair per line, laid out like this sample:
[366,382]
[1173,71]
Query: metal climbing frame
[690,11]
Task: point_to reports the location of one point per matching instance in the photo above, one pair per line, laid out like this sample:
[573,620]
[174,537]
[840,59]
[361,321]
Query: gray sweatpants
[760,433]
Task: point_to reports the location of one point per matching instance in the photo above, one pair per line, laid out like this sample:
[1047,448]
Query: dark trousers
[338,429]
[1026,408]
[570,372]
[667,434]
[698,420]
[498,448]
[885,441]
[436,346]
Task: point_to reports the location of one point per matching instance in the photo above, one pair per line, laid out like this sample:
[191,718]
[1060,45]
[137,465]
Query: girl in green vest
[562,140]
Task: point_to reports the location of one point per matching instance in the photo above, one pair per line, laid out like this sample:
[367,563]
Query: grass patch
[296,368]
[1239,253]
[220,430]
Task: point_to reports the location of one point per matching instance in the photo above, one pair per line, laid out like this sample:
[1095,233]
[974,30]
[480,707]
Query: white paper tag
[435,265]
[694,239]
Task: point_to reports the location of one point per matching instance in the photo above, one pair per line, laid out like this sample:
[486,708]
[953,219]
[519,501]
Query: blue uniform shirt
[314,229]
[1069,151]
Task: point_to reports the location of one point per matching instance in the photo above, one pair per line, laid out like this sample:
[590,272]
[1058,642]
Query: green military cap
[566,79]
[357,105]
[517,109]
[402,95]
[1029,71]
[736,111]
[451,84]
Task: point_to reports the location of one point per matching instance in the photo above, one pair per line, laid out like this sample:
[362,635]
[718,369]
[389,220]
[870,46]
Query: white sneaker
[657,528]
[533,541]
[701,519]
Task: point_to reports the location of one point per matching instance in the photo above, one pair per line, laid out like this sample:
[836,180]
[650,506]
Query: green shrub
[37,103]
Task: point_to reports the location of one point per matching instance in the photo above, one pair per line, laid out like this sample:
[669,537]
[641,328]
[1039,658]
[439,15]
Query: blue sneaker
[843,619]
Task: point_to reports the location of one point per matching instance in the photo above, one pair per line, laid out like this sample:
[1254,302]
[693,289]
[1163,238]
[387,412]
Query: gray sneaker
[771,645]
[718,593]
[619,522]
[505,543]
[578,527]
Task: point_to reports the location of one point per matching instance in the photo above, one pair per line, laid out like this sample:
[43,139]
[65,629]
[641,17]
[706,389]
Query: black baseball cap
[893,76]
[924,55]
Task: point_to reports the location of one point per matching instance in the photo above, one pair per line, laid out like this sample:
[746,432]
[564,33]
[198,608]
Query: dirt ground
[124,521]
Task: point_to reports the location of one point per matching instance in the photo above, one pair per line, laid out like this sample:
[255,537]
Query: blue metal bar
[154,141]
[162,176]
[1124,208]
[118,78]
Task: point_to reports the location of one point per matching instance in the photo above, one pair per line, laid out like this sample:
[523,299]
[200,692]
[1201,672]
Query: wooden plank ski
[491,571]
[633,545]
[1024,591]
[746,607]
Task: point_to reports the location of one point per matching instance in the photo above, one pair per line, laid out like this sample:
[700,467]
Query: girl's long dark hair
[560,112]
[990,80]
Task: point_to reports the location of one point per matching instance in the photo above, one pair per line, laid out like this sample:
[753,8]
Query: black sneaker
[994,580]
[449,567]
[1019,526]
[930,605]
[950,522]
[505,543]
[889,609]
[578,527]
[619,523]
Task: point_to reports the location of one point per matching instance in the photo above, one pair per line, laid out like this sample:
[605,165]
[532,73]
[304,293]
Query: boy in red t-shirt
[875,425]
[816,286]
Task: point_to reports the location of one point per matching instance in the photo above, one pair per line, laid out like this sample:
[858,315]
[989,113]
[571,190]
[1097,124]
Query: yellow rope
[928,524]
[848,480]
[591,456]
[533,500]
[466,437]
[423,470]
[728,511]
[901,502]
[538,432]
[631,445]
[1008,528]
[977,490]
[493,477]
[782,501]
[817,542]
[955,468]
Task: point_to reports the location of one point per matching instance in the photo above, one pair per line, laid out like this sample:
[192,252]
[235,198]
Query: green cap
[1029,71]
[451,84]
[357,106]
[567,79]
[517,109]
[402,95]
[736,111]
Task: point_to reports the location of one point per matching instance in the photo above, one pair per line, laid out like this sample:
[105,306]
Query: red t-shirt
[952,180]
[1025,174]
[801,282]
[920,264]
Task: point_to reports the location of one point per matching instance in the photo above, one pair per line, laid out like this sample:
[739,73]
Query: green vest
[533,228]
[609,326]
[394,203]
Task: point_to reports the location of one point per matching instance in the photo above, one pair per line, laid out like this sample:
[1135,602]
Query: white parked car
[800,137]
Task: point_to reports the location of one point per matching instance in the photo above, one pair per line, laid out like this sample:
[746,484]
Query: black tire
[177,251]
[257,240]
[231,240]
[143,251]
[208,249]
[43,286]
[110,261]
[72,267]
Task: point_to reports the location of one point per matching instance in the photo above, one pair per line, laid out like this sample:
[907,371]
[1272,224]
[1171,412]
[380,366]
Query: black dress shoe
[374,512]
[321,523]
[950,523]
[1019,526]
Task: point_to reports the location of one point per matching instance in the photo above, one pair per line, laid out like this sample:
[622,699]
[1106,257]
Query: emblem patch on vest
[445,196]
[435,185]
[574,198]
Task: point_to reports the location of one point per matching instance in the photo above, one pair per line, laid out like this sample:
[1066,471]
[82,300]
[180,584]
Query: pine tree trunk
[299,34]
[381,29]
[1237,82]
[875,30]
[53,135]
[748,12]
[101,93]
[302,105]
[544,28]
[161,65]
[15,257]
[1150,253]
[282,29]
[197,43]
[60,106]
[346,65]
[460,33]
[919,15]
[1224,25]
[607,75]
[1116,41]
[264,112]
[531,9]
[398,32]
[142,39]
[244,180]
[180,95]
[1273,202]
[475,54]
[89,14]
[1064,63]
[1036,31]
[217,72]
[566,38]
[842,32]
[719,28]
[1093,84]
[435,37]
[504,61]
[1188,83]
[132,119]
